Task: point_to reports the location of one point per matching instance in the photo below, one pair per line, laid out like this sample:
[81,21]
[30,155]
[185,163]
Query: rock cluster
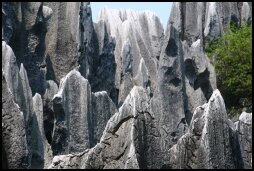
[117,93]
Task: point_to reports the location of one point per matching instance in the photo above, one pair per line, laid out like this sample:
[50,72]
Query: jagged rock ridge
[117,93]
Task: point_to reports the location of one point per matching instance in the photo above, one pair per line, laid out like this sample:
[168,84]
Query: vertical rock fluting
[80,115]
[10,69]
[130,139]
[14,141]
[62,39]
[48,111]
[185,72]
[126,82]
[72,108]
[18,84]
[102,110]
[41,150]
[88,41]
[168,101]
[210,142]
[143,32]
[244,131]
[25,97]
[159,86]
[29,41]
[104,69]
[8,22]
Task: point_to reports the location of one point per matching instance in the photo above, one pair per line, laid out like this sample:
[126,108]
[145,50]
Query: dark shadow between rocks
[50,74]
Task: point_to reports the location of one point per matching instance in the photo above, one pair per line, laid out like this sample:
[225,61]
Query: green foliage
[232,55]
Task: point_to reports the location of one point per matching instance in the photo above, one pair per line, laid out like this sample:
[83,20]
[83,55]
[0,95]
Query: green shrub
[232,55]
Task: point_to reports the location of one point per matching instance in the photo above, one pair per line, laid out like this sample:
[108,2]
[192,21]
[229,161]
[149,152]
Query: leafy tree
[232,56]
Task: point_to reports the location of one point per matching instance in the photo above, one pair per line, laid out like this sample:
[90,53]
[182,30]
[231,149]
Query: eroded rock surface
[14,139]
[41,150]
[129,96]
[244,130]
[130,139]
[48,111]
[138,35]
[72,106]
[210,142]
[102,110]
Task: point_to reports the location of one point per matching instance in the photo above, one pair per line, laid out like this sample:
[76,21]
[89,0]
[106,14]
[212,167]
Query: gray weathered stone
[168,99]
[25,97]
[62,39]
[103,76]
[13,131]
[210,142]
[26,105]
[88,41]
[41,150]
[130,139]
[244,130]
[102,109]
[17,82]
[218,15]
[70,161]
[8,21]
[126,82]
[47,12]
[144,32]
[246,13]
[48,111]
[30,39]
[158,82]
[72,108]
[10,70]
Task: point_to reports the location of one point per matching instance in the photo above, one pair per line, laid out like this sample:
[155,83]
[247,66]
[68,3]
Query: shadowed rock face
[14,139]
[117,93]
[102,110]
[244,131]
[48,111]
[168,100]
[41,152]
[129,140]
[72,106]
[138,36]
[17,83]
[210,142]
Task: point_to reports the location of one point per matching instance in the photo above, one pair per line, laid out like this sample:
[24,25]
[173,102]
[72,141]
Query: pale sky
[161,9]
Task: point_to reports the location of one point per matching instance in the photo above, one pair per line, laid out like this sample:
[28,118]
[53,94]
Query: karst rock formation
[118,93]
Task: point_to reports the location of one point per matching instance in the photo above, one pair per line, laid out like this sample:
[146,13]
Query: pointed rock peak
[215,108]
[22,69]
[138,98]
[37,96]
[23,76]
[246,117]
[72,74]
[47,12]
[216,96]
[6,50]
[142,76]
